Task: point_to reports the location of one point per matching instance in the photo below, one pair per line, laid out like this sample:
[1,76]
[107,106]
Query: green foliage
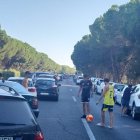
[113,47]
[6,74]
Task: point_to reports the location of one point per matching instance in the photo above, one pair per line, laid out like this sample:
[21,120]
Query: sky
[52,26]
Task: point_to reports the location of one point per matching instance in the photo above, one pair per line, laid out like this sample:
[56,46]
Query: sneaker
[83,117]
[100,124]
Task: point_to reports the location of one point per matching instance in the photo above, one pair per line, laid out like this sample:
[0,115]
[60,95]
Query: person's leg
[122,110]
[102,123]
[87,108]
[102,118]
[84,108]
[111,119]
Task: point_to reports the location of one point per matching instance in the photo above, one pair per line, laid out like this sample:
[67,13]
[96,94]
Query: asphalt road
[61,120]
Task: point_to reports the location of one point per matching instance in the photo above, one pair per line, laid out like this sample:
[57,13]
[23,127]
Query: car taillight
[35,103]
[39,136]
[32,90]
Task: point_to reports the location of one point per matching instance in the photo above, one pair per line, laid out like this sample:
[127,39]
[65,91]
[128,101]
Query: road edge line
[89,132]
[74,99]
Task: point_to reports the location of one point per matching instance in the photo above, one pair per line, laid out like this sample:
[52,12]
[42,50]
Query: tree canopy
[112,49]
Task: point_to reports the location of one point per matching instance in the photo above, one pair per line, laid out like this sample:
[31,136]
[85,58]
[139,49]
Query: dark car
[47,89]
[17,121]
[32,100]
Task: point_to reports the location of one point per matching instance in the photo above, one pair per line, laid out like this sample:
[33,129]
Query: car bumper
[48,96]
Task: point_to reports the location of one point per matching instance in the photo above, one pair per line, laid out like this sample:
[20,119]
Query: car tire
[133,112]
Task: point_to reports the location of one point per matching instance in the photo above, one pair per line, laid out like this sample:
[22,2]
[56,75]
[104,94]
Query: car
[31,87]
[47,89]
[134,103]
[32,100]
[17,121]
[79,79]
[36,75]
[46,76]
[99,85]
[119,90]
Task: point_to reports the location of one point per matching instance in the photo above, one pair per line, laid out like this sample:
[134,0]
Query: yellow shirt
[108,98]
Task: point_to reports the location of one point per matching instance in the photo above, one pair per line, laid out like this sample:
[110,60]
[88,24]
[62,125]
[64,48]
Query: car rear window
[30,83]
[45,82]
[16,112]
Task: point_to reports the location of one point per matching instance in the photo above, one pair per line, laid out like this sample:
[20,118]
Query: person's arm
[103,94]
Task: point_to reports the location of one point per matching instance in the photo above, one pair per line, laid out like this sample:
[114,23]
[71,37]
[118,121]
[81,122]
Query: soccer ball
[89,118]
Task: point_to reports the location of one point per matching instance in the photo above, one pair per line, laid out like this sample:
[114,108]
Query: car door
[132,97]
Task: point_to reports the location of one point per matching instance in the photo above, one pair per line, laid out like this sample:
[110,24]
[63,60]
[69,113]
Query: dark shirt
[127,93]
[86,86]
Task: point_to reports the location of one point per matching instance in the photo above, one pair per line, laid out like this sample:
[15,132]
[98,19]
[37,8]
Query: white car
[134,104]
[119,90]
[99,85]
[79,79]
[31,87]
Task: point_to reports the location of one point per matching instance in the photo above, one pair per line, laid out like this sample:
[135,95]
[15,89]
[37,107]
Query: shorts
[107,107]
[125,103]
[85,99]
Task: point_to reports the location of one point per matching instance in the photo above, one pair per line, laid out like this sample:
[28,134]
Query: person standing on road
[125,100]
[25,80]
[108,103]
[85,92]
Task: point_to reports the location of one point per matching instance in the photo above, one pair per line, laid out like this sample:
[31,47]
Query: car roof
[20,78]
[50,79]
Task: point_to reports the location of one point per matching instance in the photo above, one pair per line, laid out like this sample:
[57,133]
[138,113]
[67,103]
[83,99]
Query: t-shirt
[86,86]
[127,93]
[108,98]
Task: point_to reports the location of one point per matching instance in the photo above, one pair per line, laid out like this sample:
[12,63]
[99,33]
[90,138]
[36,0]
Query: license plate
[6,138]
[44,93]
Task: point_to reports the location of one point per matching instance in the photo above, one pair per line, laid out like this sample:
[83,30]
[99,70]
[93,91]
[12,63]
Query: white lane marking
[89,132]
[74,99]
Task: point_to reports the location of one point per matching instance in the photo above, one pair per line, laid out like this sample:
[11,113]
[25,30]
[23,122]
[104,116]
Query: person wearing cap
[25,80]
[125,100]
[108,103]
[85,92]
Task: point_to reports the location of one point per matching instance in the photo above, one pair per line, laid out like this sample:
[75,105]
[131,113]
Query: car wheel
[133,112]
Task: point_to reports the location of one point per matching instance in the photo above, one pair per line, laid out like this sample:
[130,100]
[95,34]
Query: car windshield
[30,83]
[120,87]
[19,112]
[45,76]
[39,73]
[45,82]
[17,87]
